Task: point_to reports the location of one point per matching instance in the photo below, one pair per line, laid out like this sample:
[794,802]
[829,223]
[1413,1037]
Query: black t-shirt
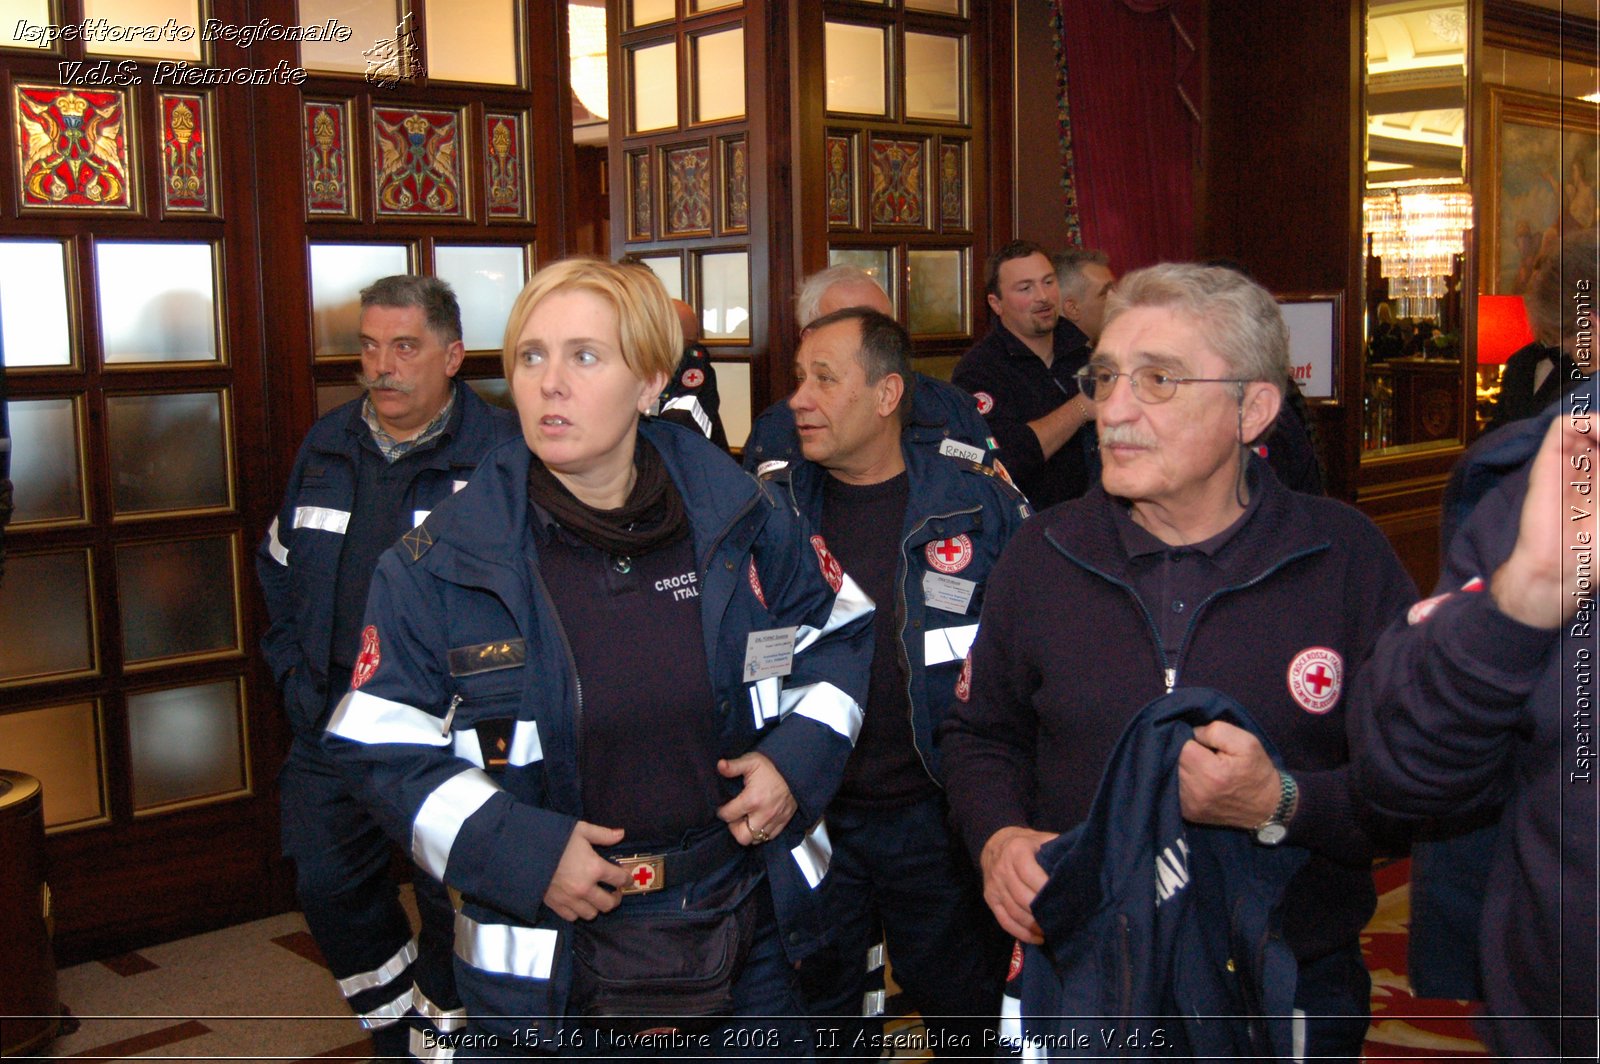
[862,526]
[647,735]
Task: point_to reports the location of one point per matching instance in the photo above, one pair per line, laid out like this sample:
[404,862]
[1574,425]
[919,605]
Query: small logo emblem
[832,571]
[755,584]
[985,402]
[1016,961]
[693,378]
[949,555]
[367,663]
[964,681]
[1315,678]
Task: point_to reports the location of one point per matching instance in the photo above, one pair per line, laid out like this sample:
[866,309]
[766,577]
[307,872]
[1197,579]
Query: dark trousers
[353,908]
[899,877]
[1335,993]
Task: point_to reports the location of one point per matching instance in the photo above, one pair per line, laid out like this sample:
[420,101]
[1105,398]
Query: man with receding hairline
[690,397]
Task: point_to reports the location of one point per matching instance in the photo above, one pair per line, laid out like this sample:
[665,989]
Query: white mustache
[1125,436]
[386,382]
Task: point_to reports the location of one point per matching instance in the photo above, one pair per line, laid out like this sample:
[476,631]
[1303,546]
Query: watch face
[1271,834]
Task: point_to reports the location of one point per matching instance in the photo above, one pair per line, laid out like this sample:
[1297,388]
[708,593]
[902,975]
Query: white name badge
[947,592]
[769,653]
[957,449]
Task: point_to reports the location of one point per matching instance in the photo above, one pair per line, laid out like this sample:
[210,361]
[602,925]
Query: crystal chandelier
[1416,235]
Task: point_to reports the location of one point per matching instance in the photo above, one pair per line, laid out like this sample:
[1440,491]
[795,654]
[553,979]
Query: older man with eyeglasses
[1189,566]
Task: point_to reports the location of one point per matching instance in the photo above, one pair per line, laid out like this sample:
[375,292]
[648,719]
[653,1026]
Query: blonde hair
[647,325]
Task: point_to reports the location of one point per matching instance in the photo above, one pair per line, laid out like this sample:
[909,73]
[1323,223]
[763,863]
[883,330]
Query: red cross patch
[644,874]
[755,584]
[949,555]
[985,401]
[693,378]
[1315,678]
[832,571]
[367,663]
[964,681]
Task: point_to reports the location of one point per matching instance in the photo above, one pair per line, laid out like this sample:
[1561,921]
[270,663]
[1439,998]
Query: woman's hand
[764,807]
[578,889]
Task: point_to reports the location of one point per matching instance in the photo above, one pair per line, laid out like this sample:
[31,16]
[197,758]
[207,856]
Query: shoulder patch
[417,541]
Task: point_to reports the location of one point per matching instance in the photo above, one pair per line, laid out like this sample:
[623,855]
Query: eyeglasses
[1150,384]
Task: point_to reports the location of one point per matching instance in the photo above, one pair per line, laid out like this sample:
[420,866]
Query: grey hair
[434,297]
[808,301]
[1560,298]
[1069,266]
[1237,318]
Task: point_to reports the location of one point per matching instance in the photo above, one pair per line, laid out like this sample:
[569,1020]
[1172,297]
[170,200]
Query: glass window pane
[654,86]
[719,76]
[14,13]
[185,743]
[942,7]
[669,268]
[141,28]
[725,295]
[156,302]
[176,598]
[486,280]
[937,295]
[60,747]
[934,79]
[493,390]
[167,452]
[369,21]
[45,465]
[45,626]
[645,12]
[857,78]
[874,261]
[33,304]
[712,5]
[733,386]
[330,396]
[338,274]
[473,42]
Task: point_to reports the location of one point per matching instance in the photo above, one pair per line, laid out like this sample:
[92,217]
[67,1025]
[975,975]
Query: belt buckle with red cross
[646,873]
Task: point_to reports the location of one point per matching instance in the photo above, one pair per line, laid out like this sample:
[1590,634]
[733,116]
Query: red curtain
[1133,76]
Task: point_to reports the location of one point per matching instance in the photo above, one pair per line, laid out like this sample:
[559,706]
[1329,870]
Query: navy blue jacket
[1147,916]
[1462,710]
[462,630]
[939,411]
[949,499]
[298,559]
[690,397]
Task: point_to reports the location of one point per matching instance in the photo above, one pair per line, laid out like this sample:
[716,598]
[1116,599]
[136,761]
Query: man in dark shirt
[1022,377]
[690,397]
[918,524]
[1084,278]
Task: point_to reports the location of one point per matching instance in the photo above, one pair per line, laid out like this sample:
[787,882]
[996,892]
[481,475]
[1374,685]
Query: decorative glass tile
[338,274]
[689,189]
[186,743]
[168,452]
[934,79]
[145,29]
[857,76]
[506,151]
[416,159]
[718,75]
[74,148]
[841,170]
[898,180]
[474,42]
[640,201]
[953,184]
[45,460]
[936,293]
[724,292]
[185,183]
[736,185]
[34,327]
[177,598]
[654,86]
[326,132]
[157,302]
[486,282]
[668,270]
[60,747]
[46,627]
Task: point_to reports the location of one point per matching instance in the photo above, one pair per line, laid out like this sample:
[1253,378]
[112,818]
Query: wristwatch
[1275,827]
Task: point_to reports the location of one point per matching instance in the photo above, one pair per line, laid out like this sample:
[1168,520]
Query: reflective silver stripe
[321,517]
[1011,1021]
[528,952]
[940,645]
[813,854]
[825,704]
[851,602]
[387,1015]
[525,745]
[445,1020]
[764,700]
[275,547]
[696,411]
[387,972]
[439,820]
[419,516]
[428,1050]
[466,746]
[1297,1035]
[874,1003]
[457,485]
[875,958]
[365,718]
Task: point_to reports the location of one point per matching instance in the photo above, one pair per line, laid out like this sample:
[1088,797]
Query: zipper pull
[1172,680]
[450,714]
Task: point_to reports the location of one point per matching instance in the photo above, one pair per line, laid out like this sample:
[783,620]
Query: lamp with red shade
[1503,330]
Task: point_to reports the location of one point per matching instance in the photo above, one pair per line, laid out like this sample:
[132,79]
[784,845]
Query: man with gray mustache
[366,473]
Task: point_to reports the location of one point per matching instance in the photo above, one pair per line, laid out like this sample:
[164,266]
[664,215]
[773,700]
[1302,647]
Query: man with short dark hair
[366,473]
[918,526]
[1022,377]
[1084,278]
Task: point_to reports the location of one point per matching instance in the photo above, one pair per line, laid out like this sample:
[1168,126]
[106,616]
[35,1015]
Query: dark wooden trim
[1525,28]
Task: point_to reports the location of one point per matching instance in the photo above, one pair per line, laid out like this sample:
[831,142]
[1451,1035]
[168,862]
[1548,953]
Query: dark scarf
[652,517]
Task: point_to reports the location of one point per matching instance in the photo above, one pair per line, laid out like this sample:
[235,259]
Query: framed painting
[1543,162]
